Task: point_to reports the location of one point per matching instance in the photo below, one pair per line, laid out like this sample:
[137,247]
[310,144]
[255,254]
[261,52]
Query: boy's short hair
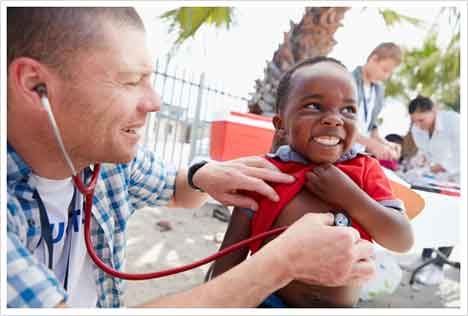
[420,104]
[387,50]
[283,86]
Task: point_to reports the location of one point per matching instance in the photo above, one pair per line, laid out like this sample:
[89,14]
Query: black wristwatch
[191,172]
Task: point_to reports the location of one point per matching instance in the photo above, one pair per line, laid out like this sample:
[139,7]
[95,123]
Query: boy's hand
[331,185]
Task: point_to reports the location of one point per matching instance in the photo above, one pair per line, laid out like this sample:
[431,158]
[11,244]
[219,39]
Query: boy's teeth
[327,140]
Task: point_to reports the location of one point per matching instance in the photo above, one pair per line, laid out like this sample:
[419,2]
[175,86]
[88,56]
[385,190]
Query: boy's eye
[349,110]
[313,106]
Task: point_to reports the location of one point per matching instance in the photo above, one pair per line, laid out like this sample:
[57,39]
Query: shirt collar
[439,124]
[17,169]
[286,153]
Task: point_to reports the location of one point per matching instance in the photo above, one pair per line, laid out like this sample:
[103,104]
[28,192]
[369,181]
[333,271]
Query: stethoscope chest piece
[342,219]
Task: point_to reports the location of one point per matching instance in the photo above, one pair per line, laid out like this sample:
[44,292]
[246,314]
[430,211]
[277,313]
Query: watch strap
[191,172]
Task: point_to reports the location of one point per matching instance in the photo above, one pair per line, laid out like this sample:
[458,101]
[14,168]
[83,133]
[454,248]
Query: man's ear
[24,75]
[279,126]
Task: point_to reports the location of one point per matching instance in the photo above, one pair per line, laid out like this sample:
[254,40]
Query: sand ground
[196,234]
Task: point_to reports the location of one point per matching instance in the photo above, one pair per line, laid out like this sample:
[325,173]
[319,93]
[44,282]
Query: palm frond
[186,21]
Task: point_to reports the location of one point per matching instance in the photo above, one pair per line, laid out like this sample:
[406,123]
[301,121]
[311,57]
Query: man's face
[102,108]
[423,120]
[319,117]
[380,70]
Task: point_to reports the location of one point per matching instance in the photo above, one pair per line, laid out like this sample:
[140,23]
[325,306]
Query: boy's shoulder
[362,163]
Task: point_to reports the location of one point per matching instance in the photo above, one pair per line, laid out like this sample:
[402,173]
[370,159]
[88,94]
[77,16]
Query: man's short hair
[387,50]
[53,35]
[420,104]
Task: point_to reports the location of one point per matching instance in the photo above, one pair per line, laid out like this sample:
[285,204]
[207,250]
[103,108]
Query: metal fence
[181,130]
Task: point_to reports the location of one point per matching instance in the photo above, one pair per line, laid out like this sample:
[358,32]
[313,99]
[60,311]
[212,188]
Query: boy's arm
[387,226]
[238,230]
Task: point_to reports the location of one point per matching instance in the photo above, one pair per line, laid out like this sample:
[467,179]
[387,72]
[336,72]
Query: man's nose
[152,102]
[331,119]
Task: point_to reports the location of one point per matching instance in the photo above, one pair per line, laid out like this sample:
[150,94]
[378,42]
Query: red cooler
[241,135]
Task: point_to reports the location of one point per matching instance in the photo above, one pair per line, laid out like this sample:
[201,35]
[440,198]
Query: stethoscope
[88,191]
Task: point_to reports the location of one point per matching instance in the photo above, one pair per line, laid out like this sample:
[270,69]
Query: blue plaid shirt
[121,189]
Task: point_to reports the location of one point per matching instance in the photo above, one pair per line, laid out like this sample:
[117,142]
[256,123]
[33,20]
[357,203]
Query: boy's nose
[331,120]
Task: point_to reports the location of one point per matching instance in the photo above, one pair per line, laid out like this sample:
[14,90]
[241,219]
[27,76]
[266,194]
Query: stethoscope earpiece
[41,89]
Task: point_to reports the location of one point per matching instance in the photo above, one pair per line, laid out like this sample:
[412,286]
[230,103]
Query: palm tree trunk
[312,36]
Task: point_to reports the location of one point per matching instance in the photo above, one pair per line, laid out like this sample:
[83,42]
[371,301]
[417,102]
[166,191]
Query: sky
[235,58]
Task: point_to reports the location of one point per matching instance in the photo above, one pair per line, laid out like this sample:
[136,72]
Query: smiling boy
[317,115]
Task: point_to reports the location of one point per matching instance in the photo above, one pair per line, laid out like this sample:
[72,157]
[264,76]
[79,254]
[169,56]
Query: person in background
[380,64]
[436,134]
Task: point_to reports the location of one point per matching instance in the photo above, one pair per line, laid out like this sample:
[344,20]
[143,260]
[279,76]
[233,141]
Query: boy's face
[380,69]
[319,117]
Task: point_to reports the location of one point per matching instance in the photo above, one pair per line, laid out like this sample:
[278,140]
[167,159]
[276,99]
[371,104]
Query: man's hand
[222,180]
[331,184]
[396,149]
[314,252]
[436,168]
[382,150]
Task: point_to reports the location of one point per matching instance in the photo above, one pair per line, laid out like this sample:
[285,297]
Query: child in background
[317,115]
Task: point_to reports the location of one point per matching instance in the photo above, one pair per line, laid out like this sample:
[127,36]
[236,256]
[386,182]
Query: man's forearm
[364,140]
[245,285]
[185,196]
[374,134]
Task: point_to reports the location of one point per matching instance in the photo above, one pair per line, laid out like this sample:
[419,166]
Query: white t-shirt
[67,233]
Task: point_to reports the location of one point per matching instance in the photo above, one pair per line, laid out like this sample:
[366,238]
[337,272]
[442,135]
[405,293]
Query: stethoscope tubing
[88,192]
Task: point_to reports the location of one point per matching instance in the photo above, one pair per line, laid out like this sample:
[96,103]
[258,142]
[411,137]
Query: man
[93,65]
[436,134]
[380,64]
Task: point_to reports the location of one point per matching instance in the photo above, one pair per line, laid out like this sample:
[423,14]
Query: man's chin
[122,156]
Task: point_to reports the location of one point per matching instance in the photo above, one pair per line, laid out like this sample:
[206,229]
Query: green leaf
[391,18]
[429,70]
[186,21]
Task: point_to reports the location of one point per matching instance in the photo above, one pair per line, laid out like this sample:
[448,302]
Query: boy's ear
[278,124]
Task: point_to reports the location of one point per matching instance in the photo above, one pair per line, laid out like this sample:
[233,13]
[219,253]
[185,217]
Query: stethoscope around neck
[87,190]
